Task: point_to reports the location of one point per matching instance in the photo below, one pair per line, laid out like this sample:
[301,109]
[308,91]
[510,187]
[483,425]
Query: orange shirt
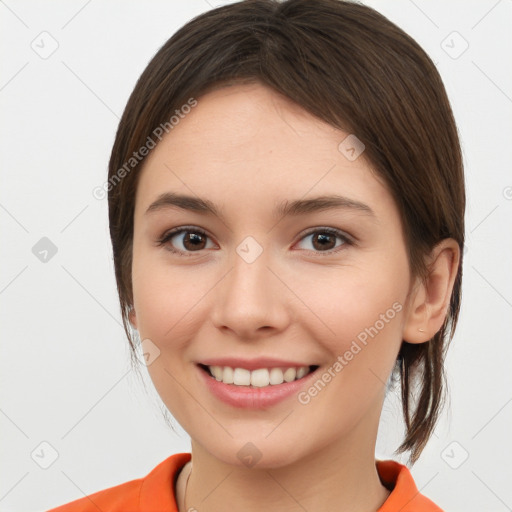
[155,492]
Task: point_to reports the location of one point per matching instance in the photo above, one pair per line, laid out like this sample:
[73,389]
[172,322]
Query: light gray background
[65,377]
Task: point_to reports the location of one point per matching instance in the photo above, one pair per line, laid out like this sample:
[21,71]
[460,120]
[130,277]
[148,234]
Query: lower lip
[254,398]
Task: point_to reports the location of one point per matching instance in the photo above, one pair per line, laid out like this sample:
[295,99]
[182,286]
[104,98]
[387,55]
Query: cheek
[172,304]
[364,311]
[167,305]
[360,299]
[365,317]
[337,305]
[164,302]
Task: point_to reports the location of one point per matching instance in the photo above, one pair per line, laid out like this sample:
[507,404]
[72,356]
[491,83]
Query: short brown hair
[350,66]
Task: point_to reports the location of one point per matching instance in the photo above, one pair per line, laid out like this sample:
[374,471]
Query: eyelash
[168,235]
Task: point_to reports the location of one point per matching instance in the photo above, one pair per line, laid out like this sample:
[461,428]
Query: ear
[132,316]
[430,298]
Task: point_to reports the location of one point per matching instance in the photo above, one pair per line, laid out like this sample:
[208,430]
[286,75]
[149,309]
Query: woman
[286,206]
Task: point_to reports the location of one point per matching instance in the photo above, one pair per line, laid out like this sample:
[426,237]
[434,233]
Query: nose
[251,301]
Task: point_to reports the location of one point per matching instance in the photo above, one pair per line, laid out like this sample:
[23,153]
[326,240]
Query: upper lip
[252,364]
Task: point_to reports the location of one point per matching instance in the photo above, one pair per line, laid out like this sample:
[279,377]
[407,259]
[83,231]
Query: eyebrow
[284,209]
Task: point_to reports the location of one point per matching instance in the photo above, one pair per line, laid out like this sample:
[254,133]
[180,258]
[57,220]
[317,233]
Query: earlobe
[430,299]
[132,316]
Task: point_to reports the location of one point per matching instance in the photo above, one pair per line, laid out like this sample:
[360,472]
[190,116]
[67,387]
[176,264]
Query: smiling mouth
[259,378]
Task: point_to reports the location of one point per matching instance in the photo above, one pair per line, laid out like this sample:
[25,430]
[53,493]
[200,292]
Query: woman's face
[324,284]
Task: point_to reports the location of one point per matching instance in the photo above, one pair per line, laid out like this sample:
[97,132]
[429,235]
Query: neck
[341,477]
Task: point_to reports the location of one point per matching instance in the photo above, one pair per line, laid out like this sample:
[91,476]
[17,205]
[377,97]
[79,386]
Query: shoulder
[154,492]
[113,499]
[404,496]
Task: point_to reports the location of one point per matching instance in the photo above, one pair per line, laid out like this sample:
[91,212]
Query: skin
[246,149]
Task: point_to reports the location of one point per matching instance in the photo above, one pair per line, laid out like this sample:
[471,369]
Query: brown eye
[186,240]
[193,241]
[325,240]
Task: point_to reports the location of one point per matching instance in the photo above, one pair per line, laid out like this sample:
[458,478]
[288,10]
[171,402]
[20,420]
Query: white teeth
[291,373]
[276,376]
[302,371]
[216,372]
[242,377]
[227,375]
[259,378]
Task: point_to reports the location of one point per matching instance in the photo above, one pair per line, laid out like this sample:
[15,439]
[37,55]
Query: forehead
[237,116]
[246,144]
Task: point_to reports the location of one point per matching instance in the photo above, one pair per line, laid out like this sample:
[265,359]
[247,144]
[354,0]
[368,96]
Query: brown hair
[351,67]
